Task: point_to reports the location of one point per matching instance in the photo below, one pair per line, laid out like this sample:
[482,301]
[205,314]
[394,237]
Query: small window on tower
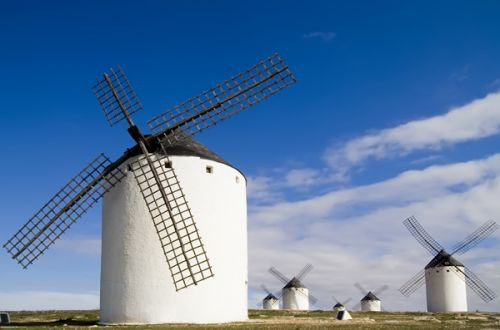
[447,270]
[209,169]
[168,164]
[129,168]
[237,179]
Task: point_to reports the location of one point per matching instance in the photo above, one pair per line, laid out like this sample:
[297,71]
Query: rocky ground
[260,319]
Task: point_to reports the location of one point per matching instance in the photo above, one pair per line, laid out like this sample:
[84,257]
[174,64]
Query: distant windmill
[370,302]
[341,312]
[445,277]
[271,301]
[148,228]
[294,294]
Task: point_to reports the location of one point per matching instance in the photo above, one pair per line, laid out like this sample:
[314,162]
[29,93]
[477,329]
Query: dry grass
[260,319]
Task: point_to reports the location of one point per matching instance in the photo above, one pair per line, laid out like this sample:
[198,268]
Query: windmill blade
[307,268]
[413,284]
[423,237]
[380,290]
[173,221]
[279,275]
[312,299]
[228,98]
[476,237]
[116,96]
[345,302]
[263,287]
[335,299]
[478,286]
[62,210]
[361,288]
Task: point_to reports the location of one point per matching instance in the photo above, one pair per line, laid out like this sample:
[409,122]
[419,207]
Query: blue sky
[366,137]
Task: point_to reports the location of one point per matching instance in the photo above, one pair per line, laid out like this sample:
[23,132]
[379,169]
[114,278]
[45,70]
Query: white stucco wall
[271,304]
[342,314]
[446,289]
[136,285]
[295,298]
[371,306]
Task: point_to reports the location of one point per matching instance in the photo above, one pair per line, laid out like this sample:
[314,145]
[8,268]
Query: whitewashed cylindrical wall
[342,314]
[371,306]
[136,285]
[446,289]
[271,304]
[295,298]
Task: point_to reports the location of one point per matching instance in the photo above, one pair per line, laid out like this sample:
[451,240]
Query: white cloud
[475,120]
[356,234]
[262,189]
[325,36]
[48,300]
[302,177]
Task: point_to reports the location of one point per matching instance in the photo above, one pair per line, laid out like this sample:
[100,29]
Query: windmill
[370,302]
[271,301]
[341,312]
[445,277]
[294,294]
[149,228]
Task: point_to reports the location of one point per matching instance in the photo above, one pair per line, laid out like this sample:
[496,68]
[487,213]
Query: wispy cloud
[324,36]
[475,120]
[344,232]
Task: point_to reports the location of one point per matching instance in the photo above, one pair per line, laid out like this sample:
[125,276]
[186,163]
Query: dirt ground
[260,319]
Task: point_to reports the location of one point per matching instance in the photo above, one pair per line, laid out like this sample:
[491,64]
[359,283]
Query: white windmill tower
[370,302]
[271,301]
[295,295]
[149,228]
[341,312]
[445,277]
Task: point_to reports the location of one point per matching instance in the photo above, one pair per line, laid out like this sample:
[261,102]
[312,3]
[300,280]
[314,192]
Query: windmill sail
[478,286]
[413,284]
[361,288]
[62,210]
[423,237]
[476,237]
[279,275]
[173,221]
[303,273]
[223,101]
[115,93]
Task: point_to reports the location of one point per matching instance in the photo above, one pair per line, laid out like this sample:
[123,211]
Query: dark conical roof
[443,259]
[270,297]
[186,146]
[338,305]
[294,283]
[370,296]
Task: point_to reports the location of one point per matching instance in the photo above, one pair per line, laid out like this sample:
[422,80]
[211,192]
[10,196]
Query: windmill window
[209,169]
[437,271]
[168,164]
[447,270]
[237,179]
[129,168]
